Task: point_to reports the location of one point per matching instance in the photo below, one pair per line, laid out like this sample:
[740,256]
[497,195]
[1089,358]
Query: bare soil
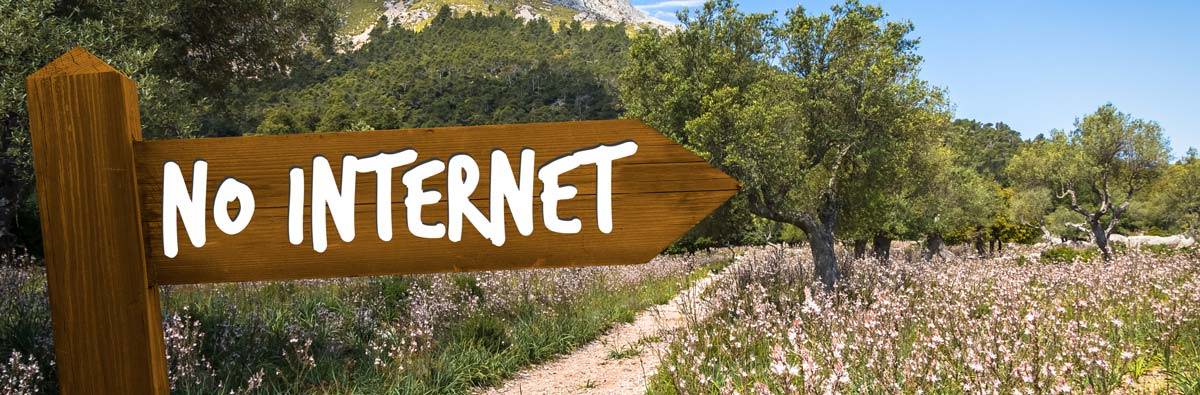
[622,360]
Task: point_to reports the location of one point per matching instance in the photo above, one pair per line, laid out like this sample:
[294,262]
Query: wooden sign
[121,216]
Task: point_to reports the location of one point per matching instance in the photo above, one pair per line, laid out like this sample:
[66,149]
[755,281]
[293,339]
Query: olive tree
[949,198]
[1096,169]
[800,111]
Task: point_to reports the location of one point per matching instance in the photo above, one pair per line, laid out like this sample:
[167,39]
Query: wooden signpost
[121,216]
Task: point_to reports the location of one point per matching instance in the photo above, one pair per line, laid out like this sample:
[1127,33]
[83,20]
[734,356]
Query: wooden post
[107,321]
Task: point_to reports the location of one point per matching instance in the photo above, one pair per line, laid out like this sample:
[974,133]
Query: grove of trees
[825,120]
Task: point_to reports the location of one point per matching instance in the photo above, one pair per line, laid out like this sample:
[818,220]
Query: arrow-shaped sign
[121,215]
[635,192]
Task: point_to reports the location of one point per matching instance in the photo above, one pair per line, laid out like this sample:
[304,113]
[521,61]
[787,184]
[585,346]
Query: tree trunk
[1100,235]
[980,247]
[819,231]
[882,247]
[860,249]
[821,243]
[824,258]
[933,245]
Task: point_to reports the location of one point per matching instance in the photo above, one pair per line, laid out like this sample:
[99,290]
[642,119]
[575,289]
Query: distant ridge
[416,14]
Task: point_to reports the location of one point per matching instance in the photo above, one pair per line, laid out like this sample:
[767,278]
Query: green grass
[476,350]
[470,357]
[475,329]
[625,352]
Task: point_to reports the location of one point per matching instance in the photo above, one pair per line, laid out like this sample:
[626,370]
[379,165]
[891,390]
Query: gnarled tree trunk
[820,232]
[1100,235]
[1095,219]
[822,244]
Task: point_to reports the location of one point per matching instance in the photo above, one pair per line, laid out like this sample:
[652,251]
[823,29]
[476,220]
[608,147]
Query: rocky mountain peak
[609,10]
[416,13]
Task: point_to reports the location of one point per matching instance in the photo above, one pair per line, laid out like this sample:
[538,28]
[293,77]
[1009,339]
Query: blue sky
[1038,65]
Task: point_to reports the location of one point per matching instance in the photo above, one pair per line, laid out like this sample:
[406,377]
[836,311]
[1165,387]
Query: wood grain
[658,194]
[107,323]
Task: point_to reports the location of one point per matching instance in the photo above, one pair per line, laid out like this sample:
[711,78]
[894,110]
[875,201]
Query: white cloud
[670,4]
[666,17]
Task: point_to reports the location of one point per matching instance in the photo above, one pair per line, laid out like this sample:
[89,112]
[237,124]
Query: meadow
[1031,322]
[423,334]
[1011,325]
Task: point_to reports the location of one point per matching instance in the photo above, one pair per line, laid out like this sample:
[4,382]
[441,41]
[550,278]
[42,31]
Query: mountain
[363,15]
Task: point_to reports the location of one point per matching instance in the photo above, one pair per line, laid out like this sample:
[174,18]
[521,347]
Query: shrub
[1168,251]
[1065,254]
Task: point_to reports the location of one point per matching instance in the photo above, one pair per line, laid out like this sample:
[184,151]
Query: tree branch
[767,208]
[1074,203]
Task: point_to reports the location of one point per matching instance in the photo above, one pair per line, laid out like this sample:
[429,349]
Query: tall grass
[420,334]
[963,326]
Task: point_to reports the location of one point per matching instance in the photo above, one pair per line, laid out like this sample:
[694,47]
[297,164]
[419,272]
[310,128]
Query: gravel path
[622,360]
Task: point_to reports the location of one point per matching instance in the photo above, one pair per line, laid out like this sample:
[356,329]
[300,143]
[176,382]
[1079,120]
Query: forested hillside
[470,70]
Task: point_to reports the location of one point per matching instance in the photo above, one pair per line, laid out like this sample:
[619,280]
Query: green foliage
[1003,228]
[984,147]
[791,234]
[1173,203]
[194,63]
[1030,204]
[1107,154]
[1067,224]
[952,197]
[487,332]
[470,70]
[1065,255]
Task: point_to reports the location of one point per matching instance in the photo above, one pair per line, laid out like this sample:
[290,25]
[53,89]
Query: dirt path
[620,361]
